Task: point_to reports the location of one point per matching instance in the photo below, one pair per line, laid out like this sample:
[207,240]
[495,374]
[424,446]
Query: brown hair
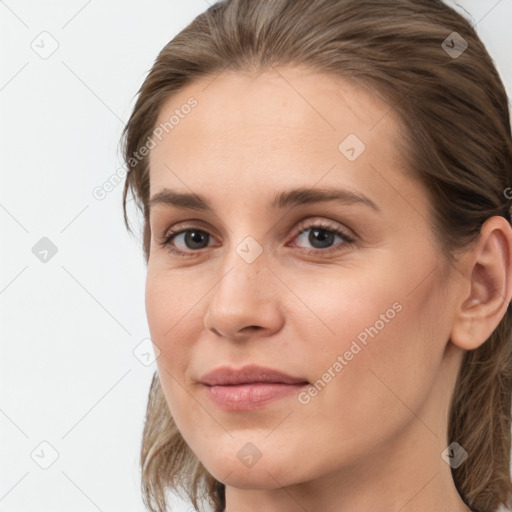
[456,137]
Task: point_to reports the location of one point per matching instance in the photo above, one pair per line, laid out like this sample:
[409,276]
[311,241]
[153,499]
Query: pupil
[194,237]
[325,240]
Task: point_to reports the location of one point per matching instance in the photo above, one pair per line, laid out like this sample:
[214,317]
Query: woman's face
[358,305]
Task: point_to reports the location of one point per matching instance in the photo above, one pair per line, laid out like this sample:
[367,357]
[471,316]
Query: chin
[254,480]
[267,474]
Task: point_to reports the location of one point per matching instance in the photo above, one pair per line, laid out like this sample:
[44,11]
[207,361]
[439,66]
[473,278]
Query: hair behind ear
[480,420]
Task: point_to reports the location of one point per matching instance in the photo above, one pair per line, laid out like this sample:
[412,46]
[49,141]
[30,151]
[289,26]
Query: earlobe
[487,274]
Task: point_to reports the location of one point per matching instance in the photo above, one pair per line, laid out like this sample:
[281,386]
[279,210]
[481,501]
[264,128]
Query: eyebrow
[285,199]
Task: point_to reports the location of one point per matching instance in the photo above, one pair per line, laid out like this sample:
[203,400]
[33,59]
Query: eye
[193,238]
[321,237]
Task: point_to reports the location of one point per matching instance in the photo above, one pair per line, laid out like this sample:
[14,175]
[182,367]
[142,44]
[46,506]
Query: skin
[372,438]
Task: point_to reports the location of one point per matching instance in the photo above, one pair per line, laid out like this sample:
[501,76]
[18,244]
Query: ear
[487,285]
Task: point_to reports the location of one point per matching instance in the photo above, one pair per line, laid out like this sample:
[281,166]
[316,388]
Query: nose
[245,301]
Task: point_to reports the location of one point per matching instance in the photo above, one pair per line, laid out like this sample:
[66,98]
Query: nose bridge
[243,295]
[242,271]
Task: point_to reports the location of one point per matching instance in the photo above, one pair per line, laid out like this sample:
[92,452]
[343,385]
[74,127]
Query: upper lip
[248,374]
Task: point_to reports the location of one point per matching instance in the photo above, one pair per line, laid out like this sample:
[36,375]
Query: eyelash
[348,240]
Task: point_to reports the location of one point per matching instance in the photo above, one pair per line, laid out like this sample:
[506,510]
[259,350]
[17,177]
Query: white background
[68,373]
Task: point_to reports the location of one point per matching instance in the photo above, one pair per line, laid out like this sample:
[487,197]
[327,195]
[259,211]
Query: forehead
[279,126]
[294,97]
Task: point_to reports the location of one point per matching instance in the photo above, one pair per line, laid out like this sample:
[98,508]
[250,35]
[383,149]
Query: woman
[328,246]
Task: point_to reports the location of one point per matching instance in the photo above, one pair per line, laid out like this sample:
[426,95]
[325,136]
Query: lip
[249,387]
[244,397]
[226,376]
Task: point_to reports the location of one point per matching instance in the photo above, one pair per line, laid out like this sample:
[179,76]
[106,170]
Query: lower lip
[250,396]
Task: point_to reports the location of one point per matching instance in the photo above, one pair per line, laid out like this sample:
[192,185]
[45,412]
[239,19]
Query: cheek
[376,337]
[335,310]
[170,299]
[405,341]
[168,311]
[389,364]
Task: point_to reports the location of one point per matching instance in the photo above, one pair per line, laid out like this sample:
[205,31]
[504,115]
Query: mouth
[249,387]
[251,374]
